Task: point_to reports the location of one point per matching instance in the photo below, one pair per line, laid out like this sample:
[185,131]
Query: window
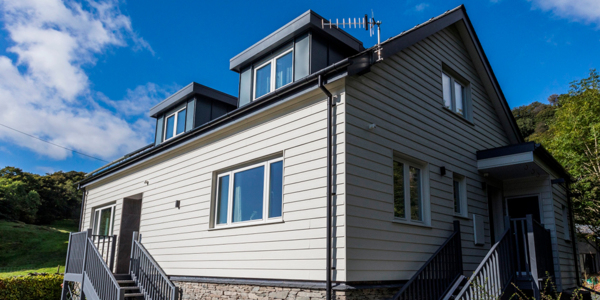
[273,74]
[459,190]
[175,124]
[103,220]
[251,194]
[455,95]
[409,191]
[566,225]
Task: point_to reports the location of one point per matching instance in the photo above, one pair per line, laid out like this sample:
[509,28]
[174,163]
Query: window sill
[459,216]
[418,224]
[248,224]
[460,117]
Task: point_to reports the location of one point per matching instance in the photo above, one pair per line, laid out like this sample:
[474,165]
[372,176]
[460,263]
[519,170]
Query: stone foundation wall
[215,291]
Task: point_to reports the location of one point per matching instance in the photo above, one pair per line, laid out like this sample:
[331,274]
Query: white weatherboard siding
[403,96]
[182,241]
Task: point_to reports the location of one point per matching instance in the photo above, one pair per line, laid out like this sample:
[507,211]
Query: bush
[34,287]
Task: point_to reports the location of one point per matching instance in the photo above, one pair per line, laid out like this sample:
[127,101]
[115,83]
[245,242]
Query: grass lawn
[28,248]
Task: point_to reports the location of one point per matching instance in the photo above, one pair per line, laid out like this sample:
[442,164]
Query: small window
[175,124]
[459,190]
[251,194]
[455,95]
[104,220]
[566,225]
[409,191]
[273,74]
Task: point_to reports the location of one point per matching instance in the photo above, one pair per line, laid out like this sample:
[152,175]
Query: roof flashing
[191,89]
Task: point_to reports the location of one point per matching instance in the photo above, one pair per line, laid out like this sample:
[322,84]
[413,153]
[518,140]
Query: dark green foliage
[38,199]
[34,287]
[534,119]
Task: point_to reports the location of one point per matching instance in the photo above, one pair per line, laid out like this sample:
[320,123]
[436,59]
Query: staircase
[89,272]
[441,275]
[132,291]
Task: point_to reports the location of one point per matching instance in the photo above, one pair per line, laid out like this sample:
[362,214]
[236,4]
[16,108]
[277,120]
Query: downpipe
[329,184]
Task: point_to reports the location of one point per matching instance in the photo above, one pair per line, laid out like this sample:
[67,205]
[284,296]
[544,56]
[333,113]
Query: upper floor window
[410,186]
[251,194]
[273,74]
[175,124]
[455,94]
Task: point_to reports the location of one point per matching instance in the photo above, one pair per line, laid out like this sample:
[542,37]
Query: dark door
[130,222]
[523,206]
[519,208]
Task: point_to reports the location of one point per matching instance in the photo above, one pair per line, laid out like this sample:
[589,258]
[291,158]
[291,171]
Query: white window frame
[272,61]
[425,204]
[462,188]
[266,187]
[174,124]
[465,96]
[96,218]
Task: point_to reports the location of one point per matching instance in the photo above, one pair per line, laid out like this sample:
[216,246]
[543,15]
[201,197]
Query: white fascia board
[506,160]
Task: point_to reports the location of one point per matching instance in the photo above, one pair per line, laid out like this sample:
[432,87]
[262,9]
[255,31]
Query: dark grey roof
[309,19]
[191,89]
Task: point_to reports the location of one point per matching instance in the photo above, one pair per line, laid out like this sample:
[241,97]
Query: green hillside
[28,248]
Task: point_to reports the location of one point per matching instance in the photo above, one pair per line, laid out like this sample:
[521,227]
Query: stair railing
[98,279]
[148,275]
[106,246]
[495,273]
[436,276]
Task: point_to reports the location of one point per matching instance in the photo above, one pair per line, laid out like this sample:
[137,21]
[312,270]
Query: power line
[37,138]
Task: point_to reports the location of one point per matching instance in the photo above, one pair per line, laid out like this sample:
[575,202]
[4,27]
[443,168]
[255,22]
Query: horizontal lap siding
[181,239]
[565,248]
[403,96]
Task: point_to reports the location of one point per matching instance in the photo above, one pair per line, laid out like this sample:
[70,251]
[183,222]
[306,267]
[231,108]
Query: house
[337,171]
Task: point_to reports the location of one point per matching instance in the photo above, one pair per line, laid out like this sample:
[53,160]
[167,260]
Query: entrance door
[523,206]
[519,208]
[130,222]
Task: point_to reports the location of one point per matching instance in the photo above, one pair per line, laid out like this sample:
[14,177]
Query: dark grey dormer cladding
[196,103]
[312,49]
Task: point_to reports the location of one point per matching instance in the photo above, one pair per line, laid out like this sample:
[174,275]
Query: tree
[57,195]
[574,140]
[533,119]
[17,201]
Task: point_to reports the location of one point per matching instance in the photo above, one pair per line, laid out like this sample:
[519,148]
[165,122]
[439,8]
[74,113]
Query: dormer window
[274,73]
[175,124]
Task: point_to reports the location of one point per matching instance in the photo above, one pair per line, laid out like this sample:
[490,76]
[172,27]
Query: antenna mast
[366,23]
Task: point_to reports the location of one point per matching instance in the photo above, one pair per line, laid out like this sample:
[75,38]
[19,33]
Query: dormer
[291,53]
[190,107]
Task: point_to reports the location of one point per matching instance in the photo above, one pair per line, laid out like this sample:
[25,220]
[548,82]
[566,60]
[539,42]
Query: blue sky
[83,75]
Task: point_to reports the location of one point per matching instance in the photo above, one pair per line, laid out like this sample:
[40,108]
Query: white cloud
[421,6]
[587,11]
[46,91]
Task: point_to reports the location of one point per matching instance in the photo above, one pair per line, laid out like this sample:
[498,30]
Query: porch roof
[517,161]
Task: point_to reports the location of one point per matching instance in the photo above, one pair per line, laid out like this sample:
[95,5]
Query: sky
[83,75]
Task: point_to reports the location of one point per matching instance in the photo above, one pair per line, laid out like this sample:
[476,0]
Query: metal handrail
[493,275]
[106,245]
[148,275]
[434,279]
[97,273]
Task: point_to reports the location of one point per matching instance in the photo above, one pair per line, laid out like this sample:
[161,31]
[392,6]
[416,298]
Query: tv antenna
[366,23]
